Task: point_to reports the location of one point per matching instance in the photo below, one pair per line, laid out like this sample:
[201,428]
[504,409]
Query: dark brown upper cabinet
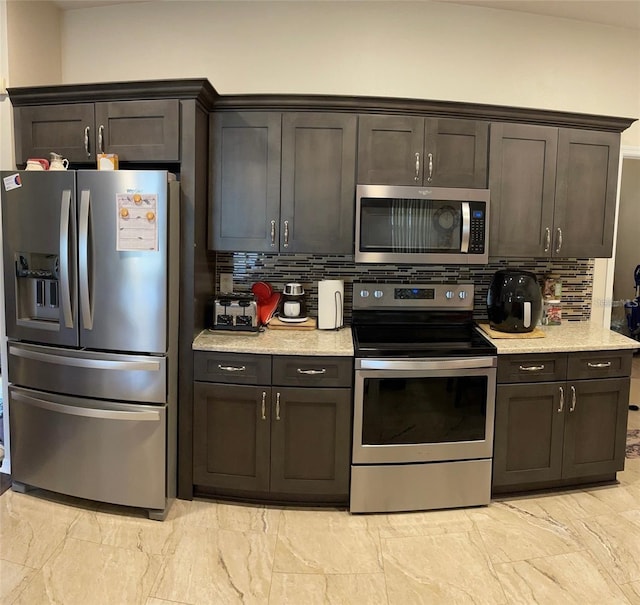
[553,191]
[283,182]
[406,150]
[138,131]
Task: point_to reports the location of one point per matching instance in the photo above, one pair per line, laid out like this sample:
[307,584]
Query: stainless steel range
[424,399]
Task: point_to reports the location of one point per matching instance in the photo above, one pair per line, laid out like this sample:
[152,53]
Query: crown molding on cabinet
[205,93]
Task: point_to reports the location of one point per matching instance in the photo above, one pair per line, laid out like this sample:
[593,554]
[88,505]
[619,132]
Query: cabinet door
[522,179]
[528,433]
[65,129]
[595,428]
[318,182]
[456,153]
[139,131]
[585,193]
[390,150]
[231,426]
[245,194]
[310,441]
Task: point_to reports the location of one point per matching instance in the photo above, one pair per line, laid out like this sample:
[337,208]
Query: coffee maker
[293,308]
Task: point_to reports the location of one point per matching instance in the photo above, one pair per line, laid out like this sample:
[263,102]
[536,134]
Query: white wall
[34,42]
[400,49]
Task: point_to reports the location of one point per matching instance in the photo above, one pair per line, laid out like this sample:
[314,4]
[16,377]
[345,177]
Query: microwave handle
[466,227]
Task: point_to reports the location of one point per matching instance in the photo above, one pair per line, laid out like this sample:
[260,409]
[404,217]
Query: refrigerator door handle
[65,290]
[83,260]
[150,365]
[148,415]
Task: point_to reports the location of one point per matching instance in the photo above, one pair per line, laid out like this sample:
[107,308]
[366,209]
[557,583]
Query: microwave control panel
[477,229]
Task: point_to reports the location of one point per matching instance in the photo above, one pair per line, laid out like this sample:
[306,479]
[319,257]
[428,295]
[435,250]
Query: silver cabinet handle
[573,398]
[547,239]
[561,400]
[278,406]
[286,234]
[417,176]
[532,368]
[603,364]
[232,368]
[87,130]
[264,405]
[101,139]
[83,260]
[311,372]
[430,177]
[65,284]
[273,233]
[558,239]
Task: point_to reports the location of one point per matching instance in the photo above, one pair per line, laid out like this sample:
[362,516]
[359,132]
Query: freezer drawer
[137,378]
[98,450]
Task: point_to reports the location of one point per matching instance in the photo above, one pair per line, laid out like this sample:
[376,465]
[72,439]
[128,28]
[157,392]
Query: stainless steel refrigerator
[91,306]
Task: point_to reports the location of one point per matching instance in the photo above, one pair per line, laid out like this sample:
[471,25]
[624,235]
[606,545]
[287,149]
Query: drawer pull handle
[604,364]
[311,372]
[573,399]
[232,368]
[278,406]
[532,368]
[264,405]
[561,400]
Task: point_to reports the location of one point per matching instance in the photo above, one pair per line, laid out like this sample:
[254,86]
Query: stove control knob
[462,295]
[364,293]
[378,293]
[448,294]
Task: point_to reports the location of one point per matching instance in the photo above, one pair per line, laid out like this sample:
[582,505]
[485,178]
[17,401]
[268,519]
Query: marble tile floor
[577,546]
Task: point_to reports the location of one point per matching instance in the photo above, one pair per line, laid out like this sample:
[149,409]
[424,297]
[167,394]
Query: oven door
[423,410]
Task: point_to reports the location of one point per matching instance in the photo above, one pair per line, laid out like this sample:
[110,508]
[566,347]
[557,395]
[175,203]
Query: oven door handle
[426,364]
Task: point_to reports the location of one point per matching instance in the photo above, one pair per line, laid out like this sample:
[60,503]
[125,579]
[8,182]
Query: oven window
[424,410]
[401,225]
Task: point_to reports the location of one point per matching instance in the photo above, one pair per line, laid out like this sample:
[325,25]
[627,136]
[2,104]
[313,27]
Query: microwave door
[39,255]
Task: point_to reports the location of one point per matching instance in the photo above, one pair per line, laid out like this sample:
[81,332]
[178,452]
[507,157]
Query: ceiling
[619,13]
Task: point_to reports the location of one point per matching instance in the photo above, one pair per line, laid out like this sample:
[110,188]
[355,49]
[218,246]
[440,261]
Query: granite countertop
[278,342]
[567,337]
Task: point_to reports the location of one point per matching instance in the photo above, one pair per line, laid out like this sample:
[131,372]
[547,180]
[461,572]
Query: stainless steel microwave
[426,225]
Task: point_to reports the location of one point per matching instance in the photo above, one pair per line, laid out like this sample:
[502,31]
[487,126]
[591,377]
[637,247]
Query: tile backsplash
[576,276]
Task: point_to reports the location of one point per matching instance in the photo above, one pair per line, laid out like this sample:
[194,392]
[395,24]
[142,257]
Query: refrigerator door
[138,378]
[99,450]
[38,233]
[123,260]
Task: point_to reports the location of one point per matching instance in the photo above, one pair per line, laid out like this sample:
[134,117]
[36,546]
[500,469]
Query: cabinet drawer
[313,371]
[236,368]
[599,364]
[532,368]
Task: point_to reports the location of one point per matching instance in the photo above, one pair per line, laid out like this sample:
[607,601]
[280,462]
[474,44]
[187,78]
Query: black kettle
[514,301]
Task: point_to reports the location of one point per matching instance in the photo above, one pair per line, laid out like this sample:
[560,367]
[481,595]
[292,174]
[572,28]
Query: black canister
[514,301]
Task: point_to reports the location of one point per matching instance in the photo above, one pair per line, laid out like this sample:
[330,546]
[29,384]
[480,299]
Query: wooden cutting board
[487,329]
[276,324]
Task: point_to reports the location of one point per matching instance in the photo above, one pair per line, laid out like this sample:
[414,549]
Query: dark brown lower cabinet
[231,439]
[564,431]
[274,442]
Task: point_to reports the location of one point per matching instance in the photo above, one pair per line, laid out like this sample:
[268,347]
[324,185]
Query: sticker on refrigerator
[12,182]
[137,221]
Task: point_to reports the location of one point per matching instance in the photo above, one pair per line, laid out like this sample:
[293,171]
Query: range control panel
[413,296]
